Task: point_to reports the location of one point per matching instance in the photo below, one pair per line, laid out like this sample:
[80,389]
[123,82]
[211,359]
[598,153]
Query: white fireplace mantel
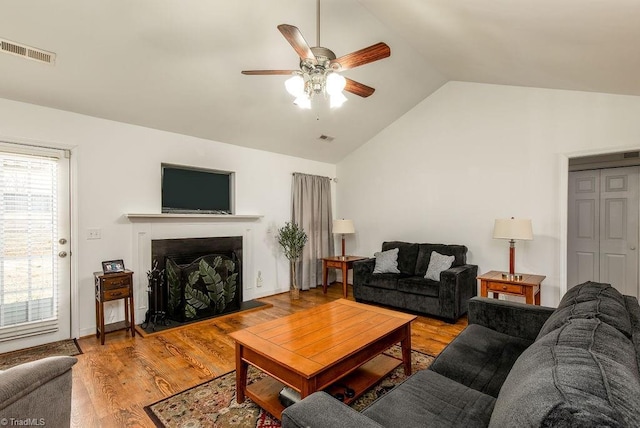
[148,227]
[198,217]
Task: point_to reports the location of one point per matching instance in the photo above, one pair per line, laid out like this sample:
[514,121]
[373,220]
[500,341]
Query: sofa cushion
[407,255]
[437,264]
[387,281]
[581,374]
[634,316]
[480,358]
[424,255]
[427,399]
[386,261]
[591,300]
[418,285]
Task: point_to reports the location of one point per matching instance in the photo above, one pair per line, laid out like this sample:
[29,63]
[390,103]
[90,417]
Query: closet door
[603,213]
[619,228]
[583,258]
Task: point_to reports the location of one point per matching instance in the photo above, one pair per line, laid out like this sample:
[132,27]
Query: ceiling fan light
[303,101]
[335,84]
[295,85]
[336,100]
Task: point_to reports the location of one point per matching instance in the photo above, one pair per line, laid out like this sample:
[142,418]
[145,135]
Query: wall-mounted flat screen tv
[196,191]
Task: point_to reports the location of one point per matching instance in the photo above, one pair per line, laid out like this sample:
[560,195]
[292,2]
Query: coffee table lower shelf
[265,391]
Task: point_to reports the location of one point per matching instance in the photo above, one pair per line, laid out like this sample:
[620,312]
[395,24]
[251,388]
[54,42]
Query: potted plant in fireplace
[292,239]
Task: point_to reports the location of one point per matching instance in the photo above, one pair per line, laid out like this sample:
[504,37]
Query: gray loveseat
[515,365]
[409,289]
[37,393]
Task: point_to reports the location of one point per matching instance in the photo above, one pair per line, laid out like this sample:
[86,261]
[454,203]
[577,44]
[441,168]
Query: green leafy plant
[292,239]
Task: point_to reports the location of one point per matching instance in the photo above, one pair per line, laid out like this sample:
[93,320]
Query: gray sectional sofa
[410,290]
[515,365]
[37,393]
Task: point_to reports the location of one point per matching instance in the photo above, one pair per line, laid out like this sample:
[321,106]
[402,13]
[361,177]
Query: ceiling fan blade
[358,88]
[299,44]
[363,56]
[267,72]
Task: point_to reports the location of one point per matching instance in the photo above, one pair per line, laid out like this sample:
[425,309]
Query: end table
[343,263]
[527,287]
[110,287]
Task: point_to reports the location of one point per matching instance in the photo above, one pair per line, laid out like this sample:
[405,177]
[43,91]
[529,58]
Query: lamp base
[512,276]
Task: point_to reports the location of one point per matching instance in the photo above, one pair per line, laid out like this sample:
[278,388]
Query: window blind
[28,242]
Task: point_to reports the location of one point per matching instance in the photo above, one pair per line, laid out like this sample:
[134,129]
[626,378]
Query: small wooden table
[527,287]
[109,287]
[338,262]
[313,349]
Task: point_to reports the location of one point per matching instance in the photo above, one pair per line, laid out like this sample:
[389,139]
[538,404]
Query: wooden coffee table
[313,349]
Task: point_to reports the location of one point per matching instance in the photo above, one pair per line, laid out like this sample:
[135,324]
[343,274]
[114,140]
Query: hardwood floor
[112,383]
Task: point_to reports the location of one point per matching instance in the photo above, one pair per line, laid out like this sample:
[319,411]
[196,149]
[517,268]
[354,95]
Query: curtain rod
[334,179]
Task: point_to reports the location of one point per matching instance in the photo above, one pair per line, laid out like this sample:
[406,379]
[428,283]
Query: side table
[338,262]
[527,287]
[110,287]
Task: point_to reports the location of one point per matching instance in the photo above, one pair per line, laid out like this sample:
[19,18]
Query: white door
[603,212]
[619,228]
[35,284]
[583,258]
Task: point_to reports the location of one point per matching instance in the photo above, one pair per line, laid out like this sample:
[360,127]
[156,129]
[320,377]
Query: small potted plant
[292,239]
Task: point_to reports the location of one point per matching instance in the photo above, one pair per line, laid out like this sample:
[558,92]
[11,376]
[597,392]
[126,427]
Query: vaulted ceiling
[175,65]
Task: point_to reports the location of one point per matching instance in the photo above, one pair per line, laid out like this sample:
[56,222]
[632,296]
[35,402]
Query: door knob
[633,247]
[62,254]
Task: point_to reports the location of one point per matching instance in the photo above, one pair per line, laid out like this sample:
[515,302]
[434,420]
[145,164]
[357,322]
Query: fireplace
[202,277]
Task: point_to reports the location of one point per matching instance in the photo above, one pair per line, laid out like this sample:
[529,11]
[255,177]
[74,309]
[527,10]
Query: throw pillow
[437,264]
[386,261]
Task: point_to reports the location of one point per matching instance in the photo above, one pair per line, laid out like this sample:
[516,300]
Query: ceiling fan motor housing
[316,73]
[323,56]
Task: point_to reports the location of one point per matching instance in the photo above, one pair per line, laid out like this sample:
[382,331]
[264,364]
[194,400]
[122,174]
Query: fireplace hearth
[202,276]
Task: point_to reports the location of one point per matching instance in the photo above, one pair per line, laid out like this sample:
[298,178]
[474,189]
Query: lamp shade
[335,83]
[295,85]
[344,227]
[513,228]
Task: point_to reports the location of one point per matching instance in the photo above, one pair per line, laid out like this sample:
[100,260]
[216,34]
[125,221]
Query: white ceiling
[175,65]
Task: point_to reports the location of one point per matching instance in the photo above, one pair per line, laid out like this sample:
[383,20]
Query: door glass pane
[28,236]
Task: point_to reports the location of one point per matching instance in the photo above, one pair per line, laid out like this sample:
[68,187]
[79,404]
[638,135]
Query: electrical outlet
[259,279]
[94,233]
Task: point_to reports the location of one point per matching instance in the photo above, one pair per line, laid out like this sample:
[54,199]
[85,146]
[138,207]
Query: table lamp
[512,229]
[343,227]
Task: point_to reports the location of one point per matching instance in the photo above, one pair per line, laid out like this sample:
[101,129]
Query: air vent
[326,138]
[27,52]
[631,155]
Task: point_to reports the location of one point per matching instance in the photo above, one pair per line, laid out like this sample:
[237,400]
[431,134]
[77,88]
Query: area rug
[213,403]
[67,347]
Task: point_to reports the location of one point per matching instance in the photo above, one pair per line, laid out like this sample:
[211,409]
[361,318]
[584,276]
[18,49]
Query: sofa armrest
[39,389]
[512,318]
[362,270]
[457,285]
[322,410]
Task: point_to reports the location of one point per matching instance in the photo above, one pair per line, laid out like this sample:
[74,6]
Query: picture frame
[113,266]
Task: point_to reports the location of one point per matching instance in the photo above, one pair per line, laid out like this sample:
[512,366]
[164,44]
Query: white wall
[471,153]
[117,171]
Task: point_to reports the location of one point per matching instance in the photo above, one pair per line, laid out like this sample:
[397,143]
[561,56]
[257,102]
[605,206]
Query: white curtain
[312,211]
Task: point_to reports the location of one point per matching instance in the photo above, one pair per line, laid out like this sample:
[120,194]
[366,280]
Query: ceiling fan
[319,68]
